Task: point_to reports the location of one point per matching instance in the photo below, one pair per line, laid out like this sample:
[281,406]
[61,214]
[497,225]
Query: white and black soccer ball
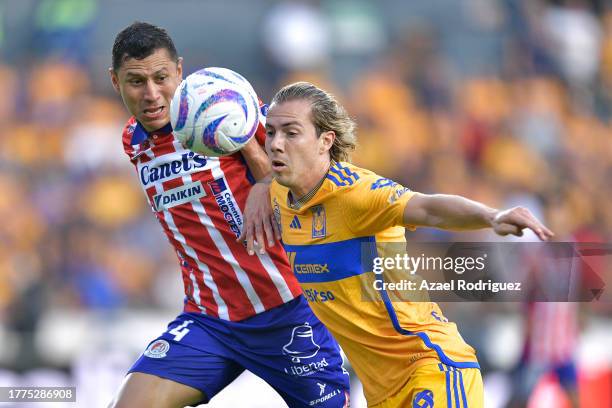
[214,112]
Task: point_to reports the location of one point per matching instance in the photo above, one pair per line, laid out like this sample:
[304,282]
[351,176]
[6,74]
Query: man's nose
[277,144]
[152,92]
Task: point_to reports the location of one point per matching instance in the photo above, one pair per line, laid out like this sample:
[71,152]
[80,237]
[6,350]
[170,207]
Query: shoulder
[356,180]
[128,134]
[128,130]
[276,190]
[371,189]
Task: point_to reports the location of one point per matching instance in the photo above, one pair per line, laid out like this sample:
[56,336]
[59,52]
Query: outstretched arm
[258,218]
[453,212]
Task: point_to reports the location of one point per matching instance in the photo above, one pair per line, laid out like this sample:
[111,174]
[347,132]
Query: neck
[311,180]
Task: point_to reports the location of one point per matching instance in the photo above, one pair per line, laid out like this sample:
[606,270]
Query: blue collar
[140,134]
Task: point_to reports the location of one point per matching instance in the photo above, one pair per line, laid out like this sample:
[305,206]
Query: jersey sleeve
[126,137]
[375,204]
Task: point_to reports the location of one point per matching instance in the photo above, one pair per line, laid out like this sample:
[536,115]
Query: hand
[514,220]
[258,219]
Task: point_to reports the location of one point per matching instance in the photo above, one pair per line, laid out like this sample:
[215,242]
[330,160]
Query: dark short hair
[139,40]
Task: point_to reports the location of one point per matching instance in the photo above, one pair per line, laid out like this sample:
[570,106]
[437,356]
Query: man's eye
[135,81]
[162,78]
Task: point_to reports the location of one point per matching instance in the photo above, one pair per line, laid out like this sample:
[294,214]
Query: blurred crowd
[522,115]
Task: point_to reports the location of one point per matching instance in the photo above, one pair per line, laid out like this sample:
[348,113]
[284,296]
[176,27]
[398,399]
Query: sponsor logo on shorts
[157,349]
[321,388]
[179,195]
[303,370]
[325,397]
[302,346]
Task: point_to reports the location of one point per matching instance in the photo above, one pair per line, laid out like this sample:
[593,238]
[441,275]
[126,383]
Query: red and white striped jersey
[198,201]
[552,327]
[553,332]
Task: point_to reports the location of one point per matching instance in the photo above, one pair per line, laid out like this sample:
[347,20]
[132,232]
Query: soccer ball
[214,112]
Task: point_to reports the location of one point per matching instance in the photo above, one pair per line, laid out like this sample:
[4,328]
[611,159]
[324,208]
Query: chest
[171,176]
[317,224]
[159,163]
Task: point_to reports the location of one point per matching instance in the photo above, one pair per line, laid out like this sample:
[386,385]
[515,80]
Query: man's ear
[114,79]
[179,67]
[326,140]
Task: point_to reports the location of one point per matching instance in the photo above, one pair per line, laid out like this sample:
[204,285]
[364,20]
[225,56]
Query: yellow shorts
[439,386]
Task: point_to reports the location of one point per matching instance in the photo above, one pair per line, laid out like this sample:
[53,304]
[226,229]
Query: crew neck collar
[140,133]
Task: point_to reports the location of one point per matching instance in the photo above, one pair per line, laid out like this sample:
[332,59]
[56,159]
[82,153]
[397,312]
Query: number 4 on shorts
[181,330]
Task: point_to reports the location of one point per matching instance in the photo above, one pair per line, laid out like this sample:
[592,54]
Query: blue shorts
[567,375]
[528,374]
[287,346]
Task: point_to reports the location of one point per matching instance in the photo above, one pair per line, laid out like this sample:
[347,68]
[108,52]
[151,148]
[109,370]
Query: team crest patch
[423,399]
[318,221]
[157,349]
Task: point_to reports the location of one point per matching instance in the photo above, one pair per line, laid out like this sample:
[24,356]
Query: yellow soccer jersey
[385,341]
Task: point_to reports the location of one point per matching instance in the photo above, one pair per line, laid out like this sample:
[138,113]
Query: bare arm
[258,218]
[257,160]
[453,212]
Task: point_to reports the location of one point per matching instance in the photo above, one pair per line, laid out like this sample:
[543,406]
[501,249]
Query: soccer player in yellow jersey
[406,354]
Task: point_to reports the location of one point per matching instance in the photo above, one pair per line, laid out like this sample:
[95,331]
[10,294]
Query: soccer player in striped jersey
[551,338]
[241,312]
[406,354]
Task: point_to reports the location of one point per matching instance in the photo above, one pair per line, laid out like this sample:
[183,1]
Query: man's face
[292,143]
[147,86]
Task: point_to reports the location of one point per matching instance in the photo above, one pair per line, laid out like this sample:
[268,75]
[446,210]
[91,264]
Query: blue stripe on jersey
[331,261]
[342,176]
[463,396]
[334,179]
[449,398]
[457,401]
[423,336]
[349,172]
